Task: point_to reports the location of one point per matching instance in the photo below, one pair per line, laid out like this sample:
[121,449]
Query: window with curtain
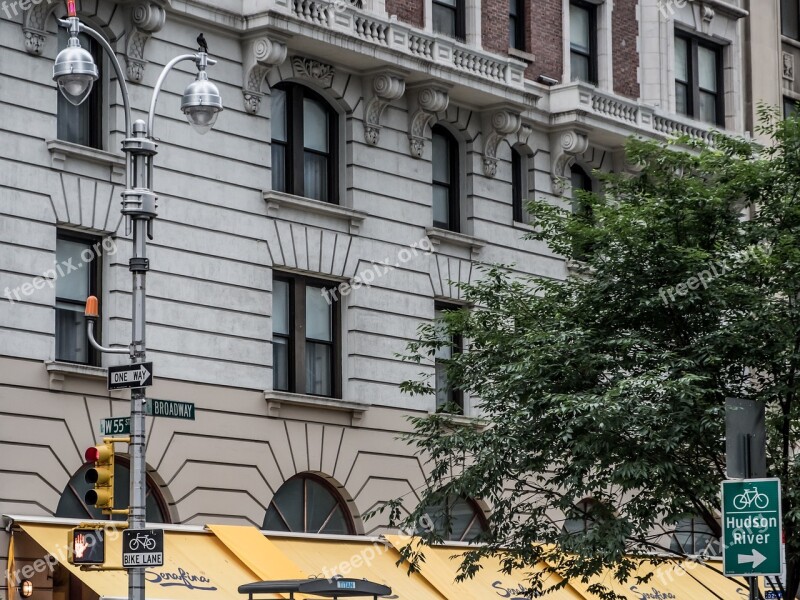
[80,279]
[449,18]
[516,24]
[698,79]
[304,159]
[82,124]
[445,167]
[448,398]
[308,504]
[305,342]
[583,41]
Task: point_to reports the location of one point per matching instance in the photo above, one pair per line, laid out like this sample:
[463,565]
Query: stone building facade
[434,120]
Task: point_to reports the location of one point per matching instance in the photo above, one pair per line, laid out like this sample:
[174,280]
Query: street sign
[115,426]
[751,527]
[142,548]
[130,376]
[169,408]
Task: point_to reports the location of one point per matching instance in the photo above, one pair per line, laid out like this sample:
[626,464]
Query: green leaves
[611,386]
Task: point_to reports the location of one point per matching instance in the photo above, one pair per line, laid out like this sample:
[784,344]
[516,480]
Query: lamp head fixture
[74,69]
[201,102]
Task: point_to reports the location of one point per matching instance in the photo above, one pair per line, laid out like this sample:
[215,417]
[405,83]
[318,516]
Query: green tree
[611,384]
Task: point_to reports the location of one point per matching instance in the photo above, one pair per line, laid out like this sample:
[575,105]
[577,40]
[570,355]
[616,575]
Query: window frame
[326,485]
[790,107]
[518,191]
[591,56]
[785,7]
[455,396]
[91,109]
[454,186]
[297,284]
[695,42]
[478,519]
[459,15]
[95,289]
[295,142]
[516,23]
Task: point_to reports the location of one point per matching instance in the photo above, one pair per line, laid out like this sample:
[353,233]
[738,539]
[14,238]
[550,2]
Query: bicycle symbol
[750,497]
[143,540]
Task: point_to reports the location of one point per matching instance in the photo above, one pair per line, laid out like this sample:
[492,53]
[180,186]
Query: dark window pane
[280,363]
[512,32]
[304,504]
[580,67]
[580,28]
[444,20]
[441,158]
[280,307]
[315,176]
[682,98]
[319,506]
[790,18]
[319,364]
[441,206]
[789,107]
[72,344]
[289,502]
[517,191]
[279,131]
[708,107]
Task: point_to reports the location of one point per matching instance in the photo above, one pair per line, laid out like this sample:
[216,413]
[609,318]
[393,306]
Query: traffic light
[101,476]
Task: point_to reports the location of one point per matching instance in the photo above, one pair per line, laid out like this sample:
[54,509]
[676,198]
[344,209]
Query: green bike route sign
[751,527]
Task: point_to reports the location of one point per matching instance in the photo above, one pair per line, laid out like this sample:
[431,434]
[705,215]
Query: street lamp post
[75,72]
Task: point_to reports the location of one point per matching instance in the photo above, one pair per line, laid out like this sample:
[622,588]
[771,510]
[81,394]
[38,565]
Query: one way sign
[130,376]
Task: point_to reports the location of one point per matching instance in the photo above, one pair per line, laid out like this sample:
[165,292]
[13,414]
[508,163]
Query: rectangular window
[518,191]
[77,259]
[583,41]
[449,18]
[305,342]
[82,124]
[789,107]
[698,80]
[790,18]
[516,24]
[447,397]
[446,169]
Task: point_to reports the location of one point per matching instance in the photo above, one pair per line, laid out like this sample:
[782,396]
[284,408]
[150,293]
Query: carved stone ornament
[386,87]
[496,126]
[260,56]
[788,66]
[429,100]
[147,18]
[309,68]
[564,146]
[33,26]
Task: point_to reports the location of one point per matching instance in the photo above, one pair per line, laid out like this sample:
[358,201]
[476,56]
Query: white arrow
[143,373]
[756,558]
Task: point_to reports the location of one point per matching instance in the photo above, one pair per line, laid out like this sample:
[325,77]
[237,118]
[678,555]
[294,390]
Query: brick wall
[543,30]
[494,25]
[408,11]
[626,58]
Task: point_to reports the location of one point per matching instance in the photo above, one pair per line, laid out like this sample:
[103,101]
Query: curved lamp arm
[126,104]
[93,342]
[200,59]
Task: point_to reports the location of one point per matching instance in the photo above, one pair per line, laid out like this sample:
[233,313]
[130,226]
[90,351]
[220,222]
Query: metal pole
[752,582]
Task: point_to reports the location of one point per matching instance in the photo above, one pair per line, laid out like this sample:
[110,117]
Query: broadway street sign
[169,408]
[751,527]
[130,376]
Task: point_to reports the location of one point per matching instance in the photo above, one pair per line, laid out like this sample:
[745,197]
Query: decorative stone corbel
[564,146]
[319,72]
[147,18]
[33,26]
[497,124]
[386,87]
[426,101]
[260,56]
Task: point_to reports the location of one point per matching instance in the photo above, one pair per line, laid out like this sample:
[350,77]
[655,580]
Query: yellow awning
[441,567]
[197,566]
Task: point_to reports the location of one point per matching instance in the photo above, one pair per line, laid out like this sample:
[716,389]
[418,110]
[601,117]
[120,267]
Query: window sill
[278,200]
[59,371]
[790,41]
[440,237]
[523,225]
[277,398]
[463,420]
[61,152]
[522,55]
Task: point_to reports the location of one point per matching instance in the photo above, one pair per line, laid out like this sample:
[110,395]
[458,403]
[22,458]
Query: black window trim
[297,333]
[455,395]
[518,191]
[95,288]
[518,20]
[592,54]
[454,197]
[295,146]
[460,11]
[694,42]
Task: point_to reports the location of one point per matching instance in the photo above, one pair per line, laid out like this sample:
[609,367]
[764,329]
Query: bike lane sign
[751,527]
[142,548]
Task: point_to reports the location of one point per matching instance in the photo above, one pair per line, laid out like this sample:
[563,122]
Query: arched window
[304,142]
[693,536]
[581,518]
[458,520]
[308,504]
[446,205]
[71,505]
